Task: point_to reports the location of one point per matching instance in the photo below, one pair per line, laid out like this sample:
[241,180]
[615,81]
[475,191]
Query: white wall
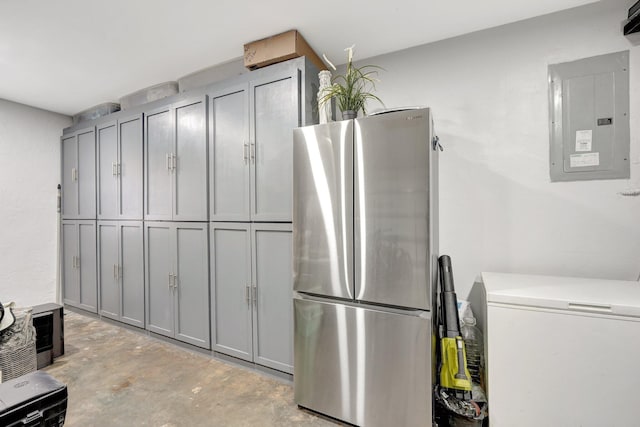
[29,174]
[498,209]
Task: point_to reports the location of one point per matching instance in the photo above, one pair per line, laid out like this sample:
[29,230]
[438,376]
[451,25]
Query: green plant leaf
[353,89]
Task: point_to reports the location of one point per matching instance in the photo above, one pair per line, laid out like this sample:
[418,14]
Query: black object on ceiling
[633,24]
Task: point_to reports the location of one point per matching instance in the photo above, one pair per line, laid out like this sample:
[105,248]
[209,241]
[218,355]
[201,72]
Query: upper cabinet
[230,162]
[251,147]
[119,160]
[175,162]
[79,174]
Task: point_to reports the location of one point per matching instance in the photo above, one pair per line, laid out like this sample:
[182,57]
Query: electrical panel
[589,118]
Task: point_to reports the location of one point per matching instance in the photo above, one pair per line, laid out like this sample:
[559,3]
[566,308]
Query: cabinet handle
[245,152]
[247,294]
[170,286]
[168,161]
[115,271]
[252,152]
[73,261]
[255,296]
[174,161]
[175,281]
[74,174]
[114,168]
[77,262]
[118,168]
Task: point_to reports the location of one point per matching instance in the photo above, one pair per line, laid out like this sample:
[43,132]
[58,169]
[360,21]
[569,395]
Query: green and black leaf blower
[454,374]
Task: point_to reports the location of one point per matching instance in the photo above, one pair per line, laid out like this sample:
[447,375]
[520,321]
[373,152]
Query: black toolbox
[34,399]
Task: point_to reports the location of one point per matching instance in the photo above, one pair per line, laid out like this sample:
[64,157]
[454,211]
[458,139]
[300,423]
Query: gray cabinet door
[80,283]
[108,286]
[121,271]
[87,266]
[229,151]
[131,272]
[79,175]
[129,168]
[231,289]
[159,268]
[273,311]
[86,174]
[190,161]
[69,176]
[158,151]
[70,275]
[275,112]
[191,289]
[107,173]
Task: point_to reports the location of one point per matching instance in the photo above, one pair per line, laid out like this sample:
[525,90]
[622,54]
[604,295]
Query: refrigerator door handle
[436,143]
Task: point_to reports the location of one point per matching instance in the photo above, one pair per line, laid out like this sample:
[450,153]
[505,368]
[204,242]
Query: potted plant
[353,89]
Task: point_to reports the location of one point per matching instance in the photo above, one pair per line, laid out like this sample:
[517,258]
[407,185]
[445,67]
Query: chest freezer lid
[573,294]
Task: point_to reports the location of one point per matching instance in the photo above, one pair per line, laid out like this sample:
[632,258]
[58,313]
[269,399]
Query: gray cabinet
[79,174]
[251,154]
[252,292]
[177,280]
[79,264]
[176,181]
[230,163]
[119,176]
[231,289]
[121,271]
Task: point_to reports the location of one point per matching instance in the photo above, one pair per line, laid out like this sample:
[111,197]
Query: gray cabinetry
[121,271]
[176,162]
[177,280]
[251,128]
[79,175]
[79,264]
[273,311]
[252,289]
[229,167]
[119,162]
[275,112]
[231,289]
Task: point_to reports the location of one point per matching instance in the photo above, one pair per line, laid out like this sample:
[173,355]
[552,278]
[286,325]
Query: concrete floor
[117,377]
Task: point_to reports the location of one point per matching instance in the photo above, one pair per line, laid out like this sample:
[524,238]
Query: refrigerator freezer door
[323,209]
[365,366]
[394,207]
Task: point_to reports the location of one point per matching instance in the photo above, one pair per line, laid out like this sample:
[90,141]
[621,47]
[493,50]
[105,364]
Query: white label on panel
[583,160]
[583,140]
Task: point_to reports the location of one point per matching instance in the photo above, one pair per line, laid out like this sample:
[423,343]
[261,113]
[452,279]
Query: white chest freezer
[562,351]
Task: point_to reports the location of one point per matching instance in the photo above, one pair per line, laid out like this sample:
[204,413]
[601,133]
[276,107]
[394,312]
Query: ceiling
[69,55]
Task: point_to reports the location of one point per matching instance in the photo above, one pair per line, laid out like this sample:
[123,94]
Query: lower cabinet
[121,271]
[80,286]
[251,298]
[177,280]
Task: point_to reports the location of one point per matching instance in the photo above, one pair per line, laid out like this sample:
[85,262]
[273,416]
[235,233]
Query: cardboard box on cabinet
[278,48]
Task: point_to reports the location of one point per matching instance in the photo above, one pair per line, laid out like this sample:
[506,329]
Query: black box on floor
[49,323]
[34,399]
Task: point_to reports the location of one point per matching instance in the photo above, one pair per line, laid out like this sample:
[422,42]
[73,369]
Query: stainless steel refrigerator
[365,260]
